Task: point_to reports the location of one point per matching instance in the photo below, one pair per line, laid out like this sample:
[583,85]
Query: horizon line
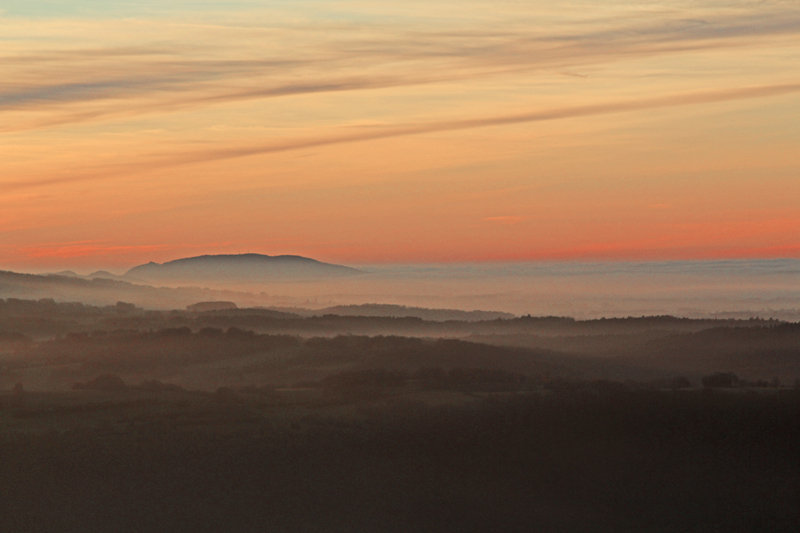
[440,263]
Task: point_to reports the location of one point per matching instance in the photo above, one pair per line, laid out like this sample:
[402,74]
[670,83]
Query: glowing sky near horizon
[367,132]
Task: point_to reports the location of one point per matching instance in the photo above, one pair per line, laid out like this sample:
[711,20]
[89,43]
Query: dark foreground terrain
[122,419]
[574,457]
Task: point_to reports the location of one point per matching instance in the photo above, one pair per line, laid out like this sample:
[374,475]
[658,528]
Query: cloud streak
[175,77]
[471,123]
[404,130]
[297,119]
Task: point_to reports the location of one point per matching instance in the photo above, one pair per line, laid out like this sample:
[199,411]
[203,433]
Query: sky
[416,131]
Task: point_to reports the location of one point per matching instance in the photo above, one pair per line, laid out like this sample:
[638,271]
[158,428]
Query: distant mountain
[104,274]
[241,268]
[103,291]
[437,315]
[202,307]
[99,274]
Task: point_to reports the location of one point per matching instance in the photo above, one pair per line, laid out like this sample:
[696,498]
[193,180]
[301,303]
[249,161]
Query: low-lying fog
[581,290]
[696,289]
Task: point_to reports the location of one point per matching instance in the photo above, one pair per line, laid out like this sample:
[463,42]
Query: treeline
[247,345]
[241,357]
[161,351]
[47,317]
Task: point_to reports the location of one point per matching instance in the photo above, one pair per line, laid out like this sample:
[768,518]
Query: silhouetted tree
[720,379]
[105,382]
[680,382]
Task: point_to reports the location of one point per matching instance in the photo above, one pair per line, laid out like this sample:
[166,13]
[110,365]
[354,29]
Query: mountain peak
[242,268]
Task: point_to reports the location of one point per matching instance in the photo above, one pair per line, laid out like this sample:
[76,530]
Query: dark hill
[103,291]
[238,268]
[104,274]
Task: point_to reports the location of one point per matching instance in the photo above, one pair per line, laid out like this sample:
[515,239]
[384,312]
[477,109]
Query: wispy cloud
[482,122]
[80,91]
[134,104]
[127,79]
[401,130]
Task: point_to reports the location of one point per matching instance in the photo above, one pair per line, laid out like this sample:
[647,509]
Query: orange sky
[362,132]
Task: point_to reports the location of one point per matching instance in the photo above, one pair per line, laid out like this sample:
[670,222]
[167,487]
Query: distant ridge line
[244,267]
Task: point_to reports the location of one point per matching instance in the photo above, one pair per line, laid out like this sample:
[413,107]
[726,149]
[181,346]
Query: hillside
[243,268]
[103,291]
[387,310]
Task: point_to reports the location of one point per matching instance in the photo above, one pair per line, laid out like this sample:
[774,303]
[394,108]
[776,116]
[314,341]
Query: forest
[117,418]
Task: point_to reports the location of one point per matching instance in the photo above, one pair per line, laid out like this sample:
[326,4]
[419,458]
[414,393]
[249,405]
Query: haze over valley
[736,288]
[105,404]
[457,266]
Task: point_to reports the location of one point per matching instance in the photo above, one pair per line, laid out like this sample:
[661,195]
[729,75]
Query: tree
[720,380]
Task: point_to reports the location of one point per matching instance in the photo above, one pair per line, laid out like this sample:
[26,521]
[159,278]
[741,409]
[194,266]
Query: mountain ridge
[247,267]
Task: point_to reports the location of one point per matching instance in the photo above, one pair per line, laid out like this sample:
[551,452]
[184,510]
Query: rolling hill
[244,268]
